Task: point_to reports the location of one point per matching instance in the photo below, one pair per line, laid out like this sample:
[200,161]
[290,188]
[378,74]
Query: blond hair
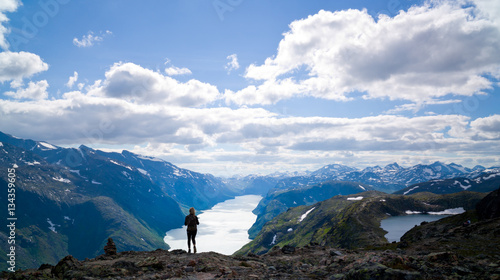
[192,211]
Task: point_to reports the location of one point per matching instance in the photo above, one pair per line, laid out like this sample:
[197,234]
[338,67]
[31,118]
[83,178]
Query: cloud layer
[431,54]
[428,52]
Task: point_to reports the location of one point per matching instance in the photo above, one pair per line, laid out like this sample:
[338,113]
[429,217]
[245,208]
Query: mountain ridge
[125,198]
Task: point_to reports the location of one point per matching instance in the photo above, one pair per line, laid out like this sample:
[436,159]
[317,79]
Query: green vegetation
[339,222]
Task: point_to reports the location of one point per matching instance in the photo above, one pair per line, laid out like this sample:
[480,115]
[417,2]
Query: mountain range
[70,200]
[389,178]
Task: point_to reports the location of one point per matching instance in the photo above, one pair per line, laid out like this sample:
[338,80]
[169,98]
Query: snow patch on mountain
[122,165]
[491,176]
[62,180]
[149,158]
[144,172]
[47,146]
[52,226]
[451,211]
[462,186]
[305,214]
[408,191]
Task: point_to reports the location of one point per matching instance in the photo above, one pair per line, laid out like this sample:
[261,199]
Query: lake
[397,226]
[222,229]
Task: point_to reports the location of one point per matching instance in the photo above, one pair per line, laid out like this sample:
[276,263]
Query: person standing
[191,221]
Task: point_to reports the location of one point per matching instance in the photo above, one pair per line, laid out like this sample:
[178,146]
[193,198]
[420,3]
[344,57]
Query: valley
[70,200]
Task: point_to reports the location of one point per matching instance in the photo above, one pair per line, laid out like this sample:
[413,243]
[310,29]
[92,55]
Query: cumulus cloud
[245,135]
[174,71]
[134,83]
[72,80]
[19,65]
[35,91]
[427,52]
[90,39]
[232,64]
[6,6]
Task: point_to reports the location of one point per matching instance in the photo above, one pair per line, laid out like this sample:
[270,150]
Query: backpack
[191,223]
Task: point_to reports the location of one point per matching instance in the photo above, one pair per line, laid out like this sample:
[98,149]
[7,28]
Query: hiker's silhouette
[191,221]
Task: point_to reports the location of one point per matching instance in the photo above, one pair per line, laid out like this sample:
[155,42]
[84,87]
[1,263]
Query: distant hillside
[486,181]
[480,236]
[278,202]
[351,221]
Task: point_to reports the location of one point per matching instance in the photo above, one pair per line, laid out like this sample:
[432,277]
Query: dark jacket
[191,221]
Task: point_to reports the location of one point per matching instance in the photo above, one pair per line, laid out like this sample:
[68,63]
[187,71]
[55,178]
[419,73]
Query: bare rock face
[110,248]
[489,207]
[68,263]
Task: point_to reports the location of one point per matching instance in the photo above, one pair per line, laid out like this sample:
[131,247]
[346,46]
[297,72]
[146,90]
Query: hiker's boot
[194,249]
[189,250]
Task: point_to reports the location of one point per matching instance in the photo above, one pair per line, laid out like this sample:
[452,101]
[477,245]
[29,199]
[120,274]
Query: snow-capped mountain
[486,181]
[389,178]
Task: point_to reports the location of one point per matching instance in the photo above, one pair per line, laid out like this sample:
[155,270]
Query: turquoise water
[397,226]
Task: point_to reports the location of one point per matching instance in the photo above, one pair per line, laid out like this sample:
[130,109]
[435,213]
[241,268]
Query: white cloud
[72,80]
[6,6]
[90,39]
[35,91]
[427,52]
[232,64]
[235,140]
[173,71]
[19,65]
[134,83]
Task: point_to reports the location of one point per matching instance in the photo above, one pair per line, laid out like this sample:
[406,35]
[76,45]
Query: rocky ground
[310,262]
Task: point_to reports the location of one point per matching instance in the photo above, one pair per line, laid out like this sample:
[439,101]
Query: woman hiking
[191,222]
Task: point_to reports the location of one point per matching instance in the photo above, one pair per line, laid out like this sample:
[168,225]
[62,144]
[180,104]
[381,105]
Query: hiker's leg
[193,236]
[194,240]
[189,241]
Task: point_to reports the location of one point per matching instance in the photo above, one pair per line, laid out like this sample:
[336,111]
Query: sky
[236,87]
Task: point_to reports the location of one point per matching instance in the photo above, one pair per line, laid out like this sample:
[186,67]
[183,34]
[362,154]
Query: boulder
[68,263]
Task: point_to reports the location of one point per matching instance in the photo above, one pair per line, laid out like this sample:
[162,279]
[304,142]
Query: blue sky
[239,86]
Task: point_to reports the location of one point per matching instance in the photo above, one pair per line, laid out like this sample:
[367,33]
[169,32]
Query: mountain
[350,221]
[260,184]
[473,233]
[437,250]
[389,178]
[486,181]
[70,200]
[186,187]
[278,202]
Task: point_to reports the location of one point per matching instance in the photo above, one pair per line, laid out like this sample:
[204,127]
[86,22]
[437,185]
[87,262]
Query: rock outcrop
[309,262]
